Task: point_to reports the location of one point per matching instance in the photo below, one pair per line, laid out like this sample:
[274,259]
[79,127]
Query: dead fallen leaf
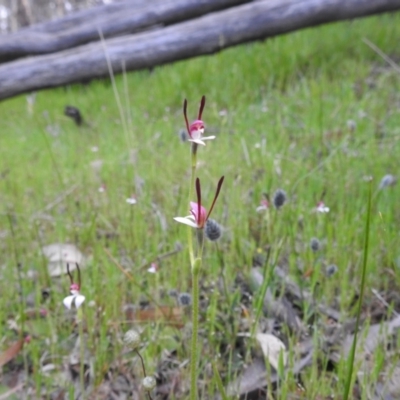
[11,352]
[256,377]
[59,254]
[170,315]
[273,348]
[370,337]
[390,389]
[279,308]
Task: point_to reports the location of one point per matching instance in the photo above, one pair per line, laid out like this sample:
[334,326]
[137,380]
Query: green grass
[280,111]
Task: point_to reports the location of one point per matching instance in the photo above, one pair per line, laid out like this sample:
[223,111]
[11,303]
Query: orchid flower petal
[208,138]
[79,299]
[186,221]
[198,211]
[68,301]
[198,141]
[152,269]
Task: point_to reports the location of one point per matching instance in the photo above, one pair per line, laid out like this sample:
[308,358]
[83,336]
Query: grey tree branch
[204,35]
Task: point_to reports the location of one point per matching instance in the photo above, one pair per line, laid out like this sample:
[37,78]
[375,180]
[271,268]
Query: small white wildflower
[264,205]
[153,268]
[76,298]
[322,208]
[131,200]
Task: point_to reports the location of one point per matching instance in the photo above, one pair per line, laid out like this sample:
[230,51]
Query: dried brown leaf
[11,352]
[171,315]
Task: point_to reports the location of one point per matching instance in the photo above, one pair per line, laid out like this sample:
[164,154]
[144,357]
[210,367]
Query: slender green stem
[195,327]
[360,300]
[195,265]
[219,382]
[81,351]
[191,187]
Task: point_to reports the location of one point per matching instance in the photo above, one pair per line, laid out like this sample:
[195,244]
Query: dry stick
[377,50]
[55,202]
[161,257]
[113,84]
[383,301]
[131,278]
[12,391]
[199,36]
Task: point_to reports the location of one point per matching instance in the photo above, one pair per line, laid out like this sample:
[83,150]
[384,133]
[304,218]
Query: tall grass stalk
[350,362]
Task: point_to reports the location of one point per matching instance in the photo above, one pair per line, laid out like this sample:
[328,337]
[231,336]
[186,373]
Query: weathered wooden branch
[111,20]
[204,35]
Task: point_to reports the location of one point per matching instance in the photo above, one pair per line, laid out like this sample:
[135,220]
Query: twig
[377,50]
[161,257]
[383,301]
[58,200]
[11,392]
[132,279]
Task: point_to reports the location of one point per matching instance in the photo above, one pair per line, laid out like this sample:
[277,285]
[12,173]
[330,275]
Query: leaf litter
[281,346]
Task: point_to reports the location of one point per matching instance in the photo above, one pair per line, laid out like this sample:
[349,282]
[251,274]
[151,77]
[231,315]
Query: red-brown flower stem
[144,370]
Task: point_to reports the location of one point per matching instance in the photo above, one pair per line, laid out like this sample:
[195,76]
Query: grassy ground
[314,113]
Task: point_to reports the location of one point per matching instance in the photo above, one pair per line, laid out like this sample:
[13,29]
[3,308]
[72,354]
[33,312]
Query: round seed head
[149,383]
[331,270]
[132,339]
[386,181]
[185,299]
[212,230]
[315,244]
[279,198]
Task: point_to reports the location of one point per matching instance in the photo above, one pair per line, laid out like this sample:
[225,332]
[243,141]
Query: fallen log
[204,35]
[111,20]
